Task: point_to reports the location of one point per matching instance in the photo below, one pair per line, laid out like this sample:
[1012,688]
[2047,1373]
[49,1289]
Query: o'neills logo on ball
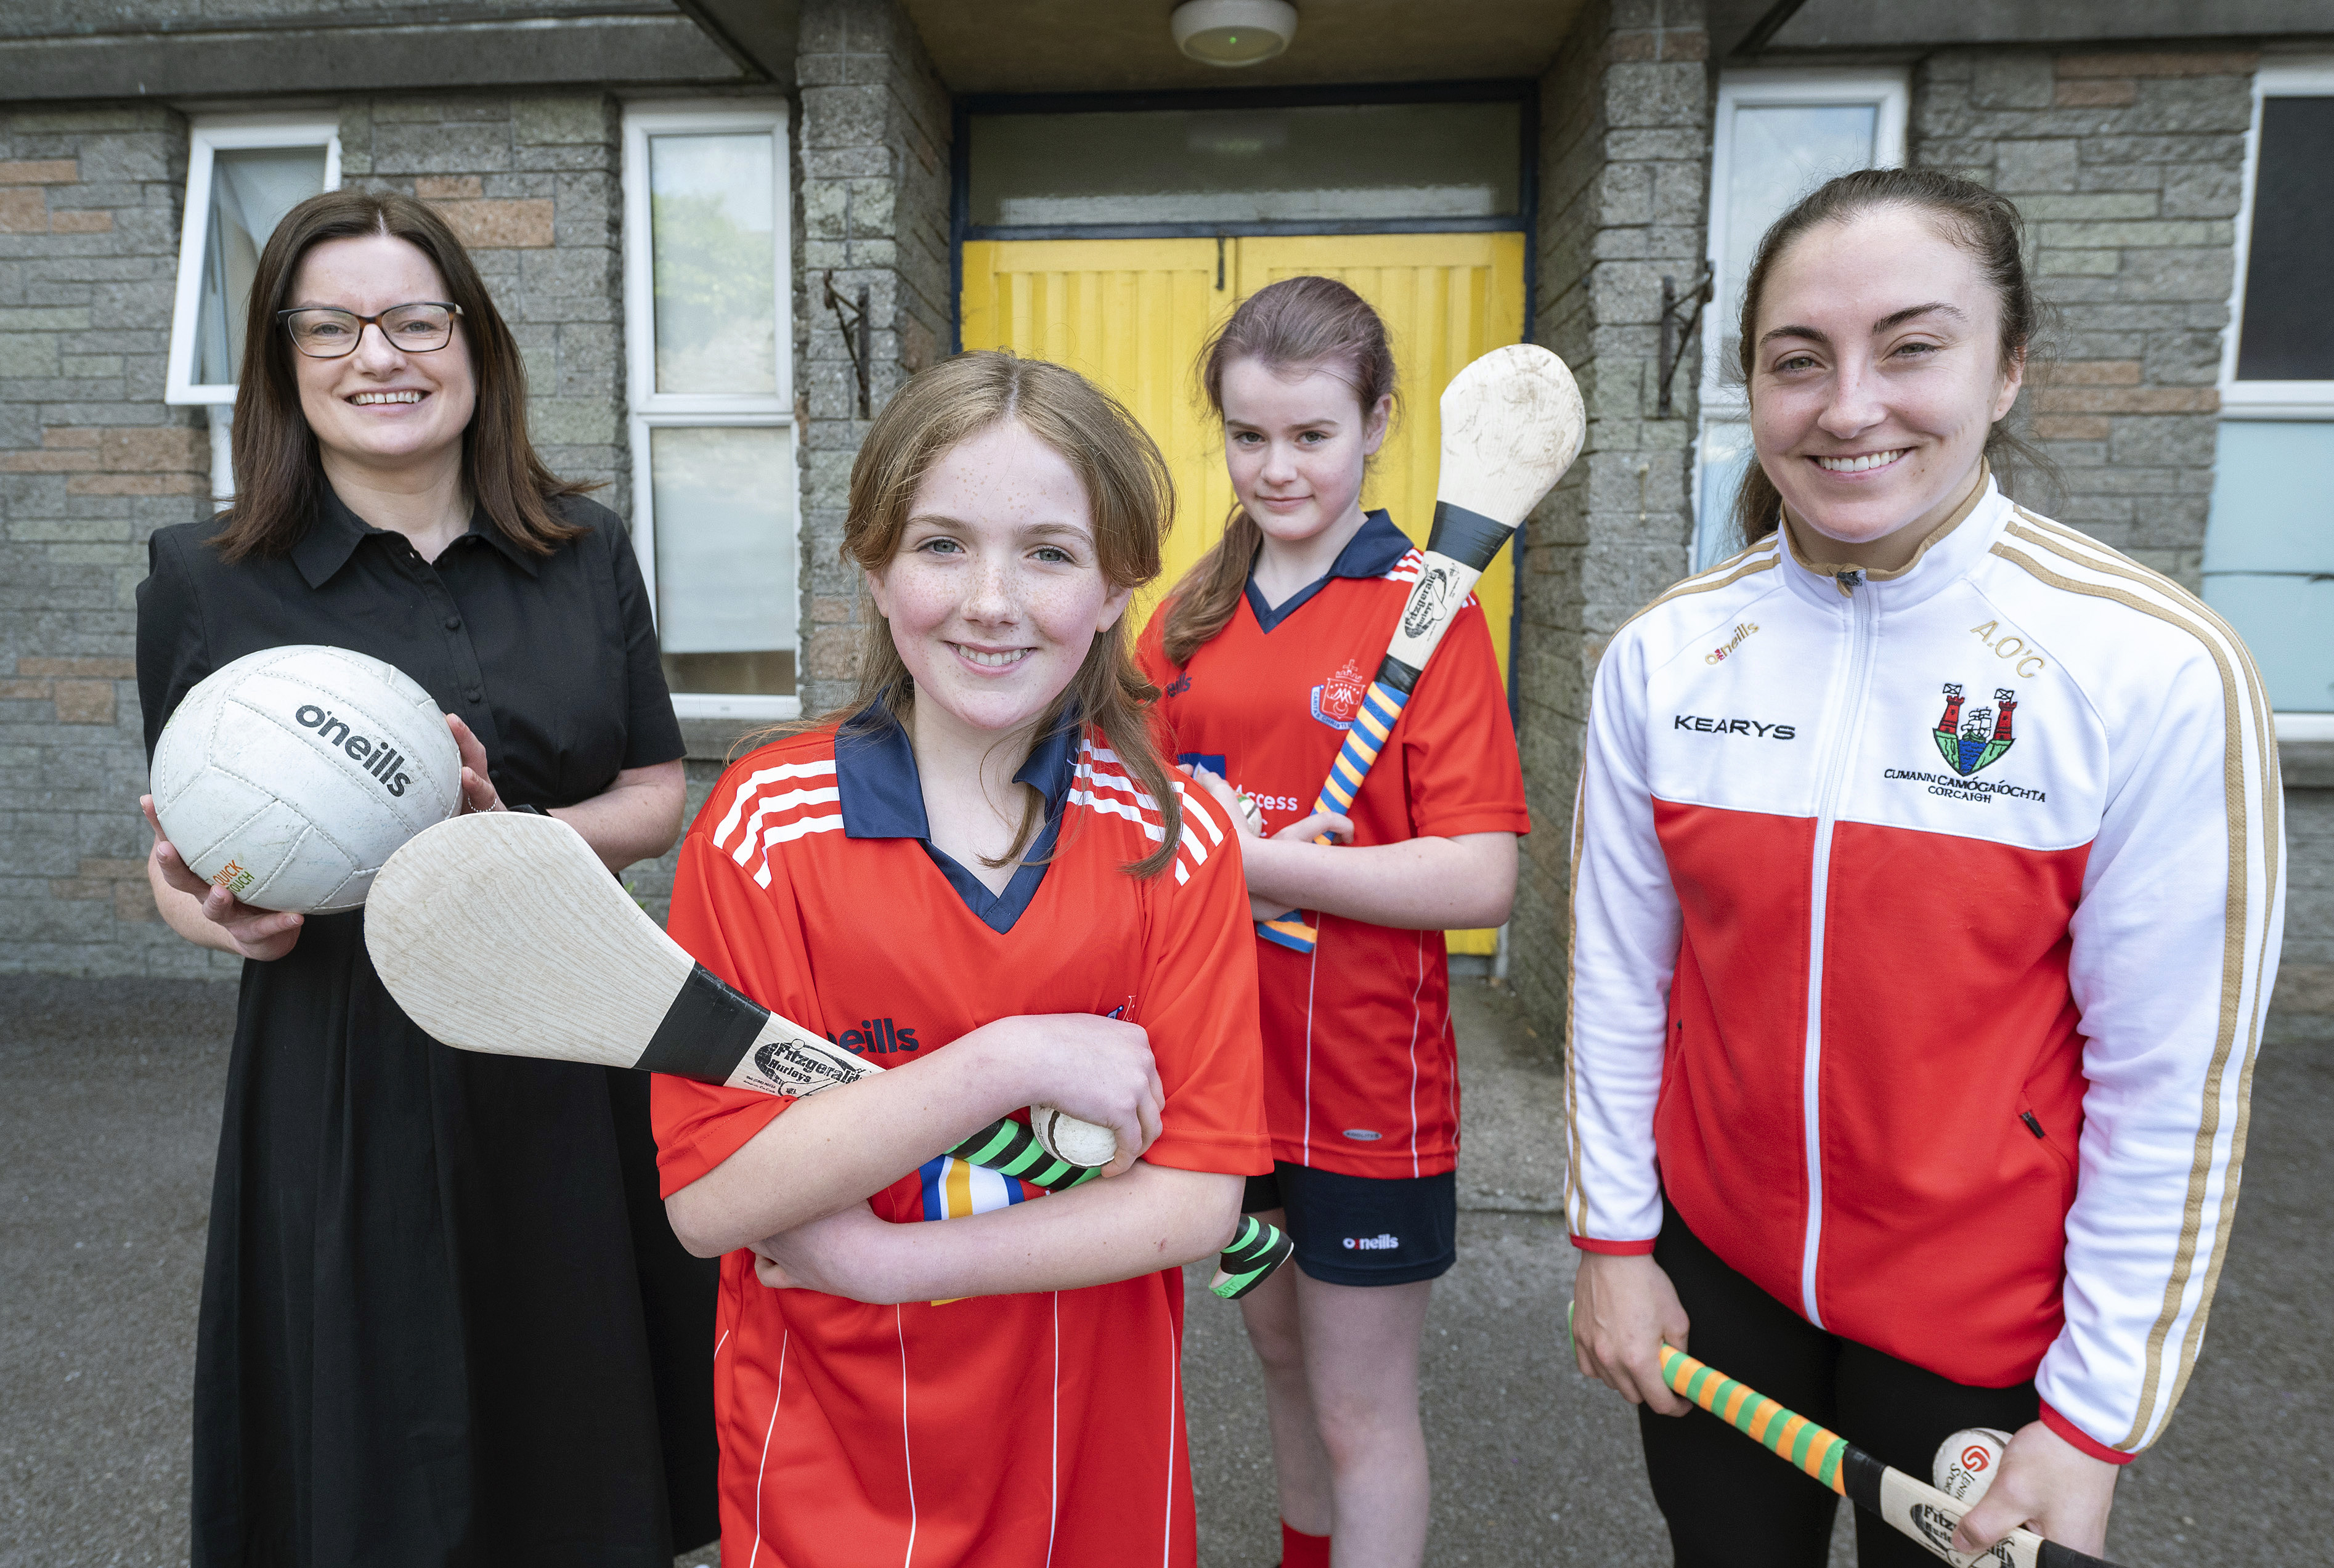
[377,757]
[1426,600]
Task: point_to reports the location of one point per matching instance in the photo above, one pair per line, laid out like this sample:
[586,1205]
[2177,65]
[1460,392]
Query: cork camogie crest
[1511,425]
[1979,740]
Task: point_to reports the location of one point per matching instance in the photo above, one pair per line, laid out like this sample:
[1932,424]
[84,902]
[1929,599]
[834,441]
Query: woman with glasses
[443,1318]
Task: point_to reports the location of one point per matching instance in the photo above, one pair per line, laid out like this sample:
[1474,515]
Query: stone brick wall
[91,460]
[1624,164]
[874,191]
[2127,167]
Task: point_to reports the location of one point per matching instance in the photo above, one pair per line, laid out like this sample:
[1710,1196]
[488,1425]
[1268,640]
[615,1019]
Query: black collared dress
[444,1320]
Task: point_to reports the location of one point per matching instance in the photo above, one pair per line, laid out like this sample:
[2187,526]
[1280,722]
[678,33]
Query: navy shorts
[1363,1229]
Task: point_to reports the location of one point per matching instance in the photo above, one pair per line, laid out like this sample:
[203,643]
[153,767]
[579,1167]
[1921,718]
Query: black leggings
[1730,1503]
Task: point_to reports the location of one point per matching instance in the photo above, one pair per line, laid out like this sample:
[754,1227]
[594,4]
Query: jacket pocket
[2058,1148]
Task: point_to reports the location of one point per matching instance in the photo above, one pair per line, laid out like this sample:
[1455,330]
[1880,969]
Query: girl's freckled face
[996,592]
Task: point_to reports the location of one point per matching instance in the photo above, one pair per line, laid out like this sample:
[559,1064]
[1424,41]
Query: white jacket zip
[1862,641]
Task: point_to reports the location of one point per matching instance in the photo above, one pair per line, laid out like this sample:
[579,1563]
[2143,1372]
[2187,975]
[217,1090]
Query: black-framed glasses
[323,332]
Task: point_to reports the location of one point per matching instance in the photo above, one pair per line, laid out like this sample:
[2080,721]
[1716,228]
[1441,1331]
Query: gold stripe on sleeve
[2272,814]
[2236,926]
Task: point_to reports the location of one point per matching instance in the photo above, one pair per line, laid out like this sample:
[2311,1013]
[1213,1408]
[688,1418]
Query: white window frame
[206,137]
[2311,78]
[649,409]
[1890,93]
[2269,400]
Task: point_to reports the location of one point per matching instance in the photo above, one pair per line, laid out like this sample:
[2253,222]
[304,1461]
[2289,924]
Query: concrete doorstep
[106,1144]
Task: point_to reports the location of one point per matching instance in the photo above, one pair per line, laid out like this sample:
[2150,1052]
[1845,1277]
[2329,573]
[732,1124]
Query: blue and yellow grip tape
[1372,727]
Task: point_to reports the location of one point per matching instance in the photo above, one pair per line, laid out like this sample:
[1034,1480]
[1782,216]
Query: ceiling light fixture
[1232,32]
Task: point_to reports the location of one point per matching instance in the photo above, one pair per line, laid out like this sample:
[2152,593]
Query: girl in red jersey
[979,875]
[1263,653]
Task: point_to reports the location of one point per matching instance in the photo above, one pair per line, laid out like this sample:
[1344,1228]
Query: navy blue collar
[882,797]
[1372,551]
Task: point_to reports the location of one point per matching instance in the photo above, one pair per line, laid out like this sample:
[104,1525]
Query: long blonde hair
[1296,324]
[1128,490]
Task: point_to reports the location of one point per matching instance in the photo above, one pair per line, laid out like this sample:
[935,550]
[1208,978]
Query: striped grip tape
[1009,1149]
[1372,727]
[1788,1436]
[1255,1251]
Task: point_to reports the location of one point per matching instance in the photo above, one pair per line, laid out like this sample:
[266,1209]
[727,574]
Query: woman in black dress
[444,1320]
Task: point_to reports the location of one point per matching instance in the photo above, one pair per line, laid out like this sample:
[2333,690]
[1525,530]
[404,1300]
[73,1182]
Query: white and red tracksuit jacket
[1922,925]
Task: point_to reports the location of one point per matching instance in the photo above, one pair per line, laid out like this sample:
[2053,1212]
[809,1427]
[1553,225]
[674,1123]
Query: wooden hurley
[1511,425]
[1912,1507]
[502,932]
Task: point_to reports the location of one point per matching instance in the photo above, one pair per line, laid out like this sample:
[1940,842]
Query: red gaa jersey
[1361,1074]
[1006,1430]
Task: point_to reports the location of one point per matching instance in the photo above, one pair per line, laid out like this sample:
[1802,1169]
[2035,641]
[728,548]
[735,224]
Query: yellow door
[1131,314]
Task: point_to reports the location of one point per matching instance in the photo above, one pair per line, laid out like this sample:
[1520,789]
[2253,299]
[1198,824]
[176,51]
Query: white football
[289,776]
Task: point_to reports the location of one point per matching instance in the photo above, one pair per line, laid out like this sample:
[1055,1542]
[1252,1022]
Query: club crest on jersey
[1978,739]
[1336,699]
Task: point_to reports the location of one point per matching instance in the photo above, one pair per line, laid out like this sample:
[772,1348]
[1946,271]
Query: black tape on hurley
[706,1031]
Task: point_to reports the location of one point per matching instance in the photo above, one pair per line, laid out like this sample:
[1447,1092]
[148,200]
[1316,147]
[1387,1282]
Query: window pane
[251,190]
[1780,152]
[725,557]
[1725,458]
[712,222]
[2268,554]
[2288,326]
[1341,161]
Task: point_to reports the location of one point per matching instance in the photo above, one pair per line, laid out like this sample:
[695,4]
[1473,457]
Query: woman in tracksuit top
[1930,872]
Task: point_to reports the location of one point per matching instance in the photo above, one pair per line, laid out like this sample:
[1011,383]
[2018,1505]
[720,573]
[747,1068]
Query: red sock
[1298,1550]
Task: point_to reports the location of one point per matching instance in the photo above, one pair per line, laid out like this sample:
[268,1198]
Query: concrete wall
[2303,1007]
[873,153]
[1625,163]
[2127,167]
[91,460]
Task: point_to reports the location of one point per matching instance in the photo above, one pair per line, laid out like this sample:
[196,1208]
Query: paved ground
[106,1136]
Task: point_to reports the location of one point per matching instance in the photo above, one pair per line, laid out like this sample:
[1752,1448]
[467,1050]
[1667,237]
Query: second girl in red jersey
[1263,654]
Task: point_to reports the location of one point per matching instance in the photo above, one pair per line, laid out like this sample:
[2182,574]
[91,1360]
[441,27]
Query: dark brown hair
[1129,492]
[1983,223]
[1296,326]
[279,483]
